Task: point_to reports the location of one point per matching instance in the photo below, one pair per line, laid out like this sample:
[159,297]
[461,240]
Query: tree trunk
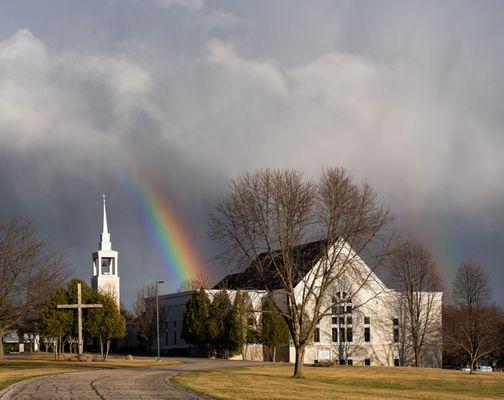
[417,357]
[298,366]
[274,354]
[101,347]
[108,348]
[1,344]
[471,365]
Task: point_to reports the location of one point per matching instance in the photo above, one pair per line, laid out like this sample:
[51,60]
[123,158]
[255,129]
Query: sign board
[324,354]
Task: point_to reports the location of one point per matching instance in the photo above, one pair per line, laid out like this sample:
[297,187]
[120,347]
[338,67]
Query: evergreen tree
[196,320]
[274,330]
[220,325]
[57,324]
[244,325]
[106,322]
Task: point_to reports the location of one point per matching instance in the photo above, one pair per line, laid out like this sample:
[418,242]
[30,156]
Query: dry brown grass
[275,382]
[15,370]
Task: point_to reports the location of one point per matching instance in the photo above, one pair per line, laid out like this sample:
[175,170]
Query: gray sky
[407,95]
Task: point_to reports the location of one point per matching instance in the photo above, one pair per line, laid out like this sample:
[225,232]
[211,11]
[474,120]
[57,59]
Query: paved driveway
[130,383]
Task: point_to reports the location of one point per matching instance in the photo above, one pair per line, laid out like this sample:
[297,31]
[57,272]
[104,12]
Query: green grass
[275,382]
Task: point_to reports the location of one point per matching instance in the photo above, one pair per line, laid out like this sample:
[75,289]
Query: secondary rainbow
[165,229]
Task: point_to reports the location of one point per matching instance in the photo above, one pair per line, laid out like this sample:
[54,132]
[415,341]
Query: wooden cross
[79,306]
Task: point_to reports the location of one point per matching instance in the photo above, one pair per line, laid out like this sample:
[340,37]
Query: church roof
[305,257]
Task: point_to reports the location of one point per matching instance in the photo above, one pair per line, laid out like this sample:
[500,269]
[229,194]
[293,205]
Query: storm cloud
[406,95]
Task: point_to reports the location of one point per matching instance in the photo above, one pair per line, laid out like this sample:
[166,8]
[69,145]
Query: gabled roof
[305,257]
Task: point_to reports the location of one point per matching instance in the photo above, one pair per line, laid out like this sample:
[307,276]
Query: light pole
[157,317]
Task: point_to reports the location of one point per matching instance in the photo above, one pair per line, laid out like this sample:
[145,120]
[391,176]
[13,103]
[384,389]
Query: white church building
[105,274]
[364,330]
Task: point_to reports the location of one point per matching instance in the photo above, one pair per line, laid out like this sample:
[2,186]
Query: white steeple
[105,243]
[105,262]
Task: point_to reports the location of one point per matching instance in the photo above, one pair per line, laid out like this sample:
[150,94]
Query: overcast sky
[406,95]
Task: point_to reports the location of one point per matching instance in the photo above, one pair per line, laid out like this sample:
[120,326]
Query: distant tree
[274,330]
[106,323]
[471,323]
[499,351]
[144,310]
[30,271]
[199,281]
[196,320]
[56,324]
[220,326]
[244,329]
[418,281]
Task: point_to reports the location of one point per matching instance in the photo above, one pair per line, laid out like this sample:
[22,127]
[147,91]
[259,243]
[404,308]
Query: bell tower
[105,263]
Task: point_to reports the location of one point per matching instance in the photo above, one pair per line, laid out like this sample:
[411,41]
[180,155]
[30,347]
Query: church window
[342,320]
[334,334]
[349,361]
[349,320]
[396,335]
[334,320]
[342,334]
[396,321]
[366,320]
[349,333]
[367,361]
[316,335]
[396,362]
[367,334]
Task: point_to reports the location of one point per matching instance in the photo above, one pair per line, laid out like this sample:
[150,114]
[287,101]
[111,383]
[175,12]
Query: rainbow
[164,228]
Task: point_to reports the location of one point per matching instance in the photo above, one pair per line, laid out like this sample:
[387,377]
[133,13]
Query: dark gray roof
[261,273]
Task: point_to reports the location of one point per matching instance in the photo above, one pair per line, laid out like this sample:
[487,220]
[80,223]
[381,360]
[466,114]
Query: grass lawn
[15,370]
[344,382]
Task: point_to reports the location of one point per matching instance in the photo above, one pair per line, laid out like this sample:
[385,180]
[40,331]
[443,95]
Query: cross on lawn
[79,306]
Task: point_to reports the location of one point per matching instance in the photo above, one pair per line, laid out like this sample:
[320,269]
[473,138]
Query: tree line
[224,328]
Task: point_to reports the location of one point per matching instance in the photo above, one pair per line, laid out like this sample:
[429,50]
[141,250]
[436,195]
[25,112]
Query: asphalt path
[152,382]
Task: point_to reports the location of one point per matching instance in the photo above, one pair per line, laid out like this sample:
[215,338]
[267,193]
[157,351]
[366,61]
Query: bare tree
[144,309]
[418,281]
[266,222]
[199,281]
[471,321]
[30,271]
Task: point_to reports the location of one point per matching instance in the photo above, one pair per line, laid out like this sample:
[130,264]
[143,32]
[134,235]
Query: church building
[364,329]
[105,274]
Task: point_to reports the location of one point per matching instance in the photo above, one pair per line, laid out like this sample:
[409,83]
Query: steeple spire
[105,236]
[105,227]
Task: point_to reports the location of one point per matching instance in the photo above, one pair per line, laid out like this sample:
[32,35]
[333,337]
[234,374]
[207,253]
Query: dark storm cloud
[407,95]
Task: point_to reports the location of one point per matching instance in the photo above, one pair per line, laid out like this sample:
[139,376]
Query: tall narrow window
[367,334]
[342,320]
[342,334]
[349,334]
[366,320]
[316,335]
[334,320]
[334,334]
[396,334]
[349,320]
[396,321]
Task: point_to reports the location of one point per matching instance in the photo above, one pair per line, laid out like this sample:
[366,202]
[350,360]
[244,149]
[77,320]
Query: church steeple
[105,243]
[105,262]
